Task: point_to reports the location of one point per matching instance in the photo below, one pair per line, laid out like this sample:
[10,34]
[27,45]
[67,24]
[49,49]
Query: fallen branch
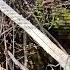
[9,29]
[56,42]
[16,61]
[44,30]
[1,68]
[6,31]
[36,34]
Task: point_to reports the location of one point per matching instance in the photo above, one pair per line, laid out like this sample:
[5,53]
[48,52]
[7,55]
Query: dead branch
[16,61]
[5,52]
[13,42]
[6,31]
[57,43]
[1,68]
[24,47]
[44,30]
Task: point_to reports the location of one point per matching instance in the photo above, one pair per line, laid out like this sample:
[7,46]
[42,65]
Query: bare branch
[1,68]
[24,47]
[16,61]
[44,30]
[5,52]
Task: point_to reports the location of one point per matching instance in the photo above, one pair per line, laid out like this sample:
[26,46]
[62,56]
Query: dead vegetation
[18,51]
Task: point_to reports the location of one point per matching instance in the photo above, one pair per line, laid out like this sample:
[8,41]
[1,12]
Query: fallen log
[36,34]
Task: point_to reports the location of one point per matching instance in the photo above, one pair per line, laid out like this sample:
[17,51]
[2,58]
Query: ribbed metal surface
[36,34]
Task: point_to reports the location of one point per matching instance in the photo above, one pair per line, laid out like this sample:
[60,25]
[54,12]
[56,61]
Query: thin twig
[13,43]
[5,52]
[24,47]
